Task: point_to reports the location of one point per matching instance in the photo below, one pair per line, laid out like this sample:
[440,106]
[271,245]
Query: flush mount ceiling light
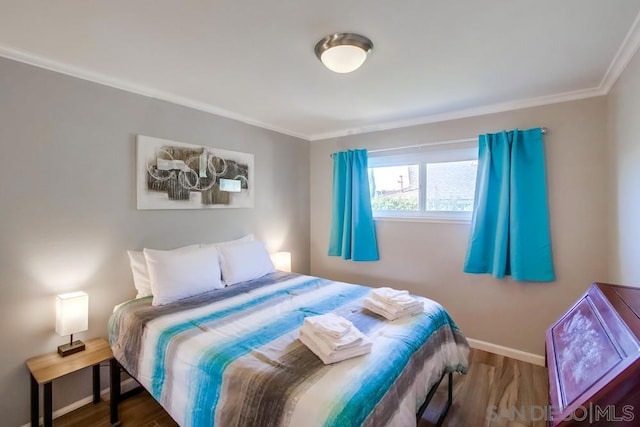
[343,52]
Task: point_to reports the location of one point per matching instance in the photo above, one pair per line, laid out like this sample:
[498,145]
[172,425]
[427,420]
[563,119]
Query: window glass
[433,182]
[451,186]
[394,188]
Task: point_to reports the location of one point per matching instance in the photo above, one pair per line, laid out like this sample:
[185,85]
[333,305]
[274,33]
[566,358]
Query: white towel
[398,299]
[335,356]
[409,310]
[329,324]
[404,302]
[390,312]
[388,293]
[353,338]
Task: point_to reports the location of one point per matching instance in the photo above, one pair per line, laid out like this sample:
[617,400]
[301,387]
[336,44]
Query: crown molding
[469,112]
[81,73]
[627,50]
[630,45]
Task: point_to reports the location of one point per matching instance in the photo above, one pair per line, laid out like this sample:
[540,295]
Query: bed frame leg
[427,400]
[115,391]
[449,400]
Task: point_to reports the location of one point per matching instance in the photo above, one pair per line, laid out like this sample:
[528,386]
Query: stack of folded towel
[392,303]
[333,338]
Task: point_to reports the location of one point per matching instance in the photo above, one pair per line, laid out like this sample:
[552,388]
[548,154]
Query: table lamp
[72,315]
[282,261]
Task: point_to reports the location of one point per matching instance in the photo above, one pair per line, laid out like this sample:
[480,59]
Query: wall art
[176,175]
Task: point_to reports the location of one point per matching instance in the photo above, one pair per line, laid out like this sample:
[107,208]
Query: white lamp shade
[282,261]
[343,58]
[72,313]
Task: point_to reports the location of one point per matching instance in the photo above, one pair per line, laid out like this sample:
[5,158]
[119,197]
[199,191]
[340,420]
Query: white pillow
[175,275]
[141,273]
[247,238]
[244,261]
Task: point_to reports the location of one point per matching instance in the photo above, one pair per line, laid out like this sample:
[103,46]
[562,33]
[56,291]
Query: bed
[231,357]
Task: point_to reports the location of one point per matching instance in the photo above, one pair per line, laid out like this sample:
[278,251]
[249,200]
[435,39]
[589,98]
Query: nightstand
[49,367]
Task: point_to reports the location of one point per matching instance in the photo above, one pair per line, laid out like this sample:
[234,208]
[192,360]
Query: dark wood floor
[497,391]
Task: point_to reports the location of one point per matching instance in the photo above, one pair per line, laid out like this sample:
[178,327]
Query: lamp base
[67,349]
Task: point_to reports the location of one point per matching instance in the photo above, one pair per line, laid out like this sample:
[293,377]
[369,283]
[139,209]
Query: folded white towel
[403,302]
[390,312]
[353,338]
[335,356]
[398,311]
[398,299]
[385,293]
[329,324]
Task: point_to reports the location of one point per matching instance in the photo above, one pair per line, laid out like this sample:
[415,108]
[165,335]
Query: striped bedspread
[231,357]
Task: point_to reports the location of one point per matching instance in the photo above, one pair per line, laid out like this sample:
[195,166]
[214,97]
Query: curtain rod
[429,144]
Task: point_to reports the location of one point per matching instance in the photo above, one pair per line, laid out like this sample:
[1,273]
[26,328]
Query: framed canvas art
[176,175]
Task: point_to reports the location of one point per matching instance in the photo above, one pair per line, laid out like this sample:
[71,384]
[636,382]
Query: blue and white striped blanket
[231,357]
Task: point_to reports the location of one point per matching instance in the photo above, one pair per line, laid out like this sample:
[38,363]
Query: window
[394,188]
[433,182]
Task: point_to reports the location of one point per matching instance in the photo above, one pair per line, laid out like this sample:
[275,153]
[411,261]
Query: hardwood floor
[139,410]
[497,392]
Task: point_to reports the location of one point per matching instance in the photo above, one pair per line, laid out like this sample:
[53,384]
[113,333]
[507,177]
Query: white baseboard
[126,385]
[524,356]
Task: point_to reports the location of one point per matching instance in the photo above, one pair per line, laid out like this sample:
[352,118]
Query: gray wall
[67,211]
[427,257]
[68,207]
[624,136]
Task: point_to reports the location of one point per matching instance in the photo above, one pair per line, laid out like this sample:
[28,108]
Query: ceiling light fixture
[343,52]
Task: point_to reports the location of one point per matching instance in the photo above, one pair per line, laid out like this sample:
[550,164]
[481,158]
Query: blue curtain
[510,226]
[353,234]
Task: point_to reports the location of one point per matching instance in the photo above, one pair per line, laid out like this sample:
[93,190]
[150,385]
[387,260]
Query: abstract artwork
[175,175]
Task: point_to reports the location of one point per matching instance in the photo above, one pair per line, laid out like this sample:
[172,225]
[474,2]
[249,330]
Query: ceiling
[253,60]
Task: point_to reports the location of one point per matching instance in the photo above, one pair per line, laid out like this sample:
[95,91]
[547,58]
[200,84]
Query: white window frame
[422,155]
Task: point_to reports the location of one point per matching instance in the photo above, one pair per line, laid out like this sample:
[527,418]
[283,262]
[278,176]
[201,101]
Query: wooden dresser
[593,355]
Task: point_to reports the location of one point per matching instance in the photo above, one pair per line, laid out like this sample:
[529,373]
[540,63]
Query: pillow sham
[141,273]
[175,275]
[247,238]
[244,261]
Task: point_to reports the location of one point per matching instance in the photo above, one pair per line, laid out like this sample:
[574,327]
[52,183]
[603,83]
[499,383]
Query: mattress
[232,357]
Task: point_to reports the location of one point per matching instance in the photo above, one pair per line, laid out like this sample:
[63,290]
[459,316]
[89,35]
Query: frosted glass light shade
[72,313]
[282,261]
[343,59]
[343,52]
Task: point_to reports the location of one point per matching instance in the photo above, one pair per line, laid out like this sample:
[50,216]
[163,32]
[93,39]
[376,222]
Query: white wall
[68,208]
[427,258]
[624,138]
